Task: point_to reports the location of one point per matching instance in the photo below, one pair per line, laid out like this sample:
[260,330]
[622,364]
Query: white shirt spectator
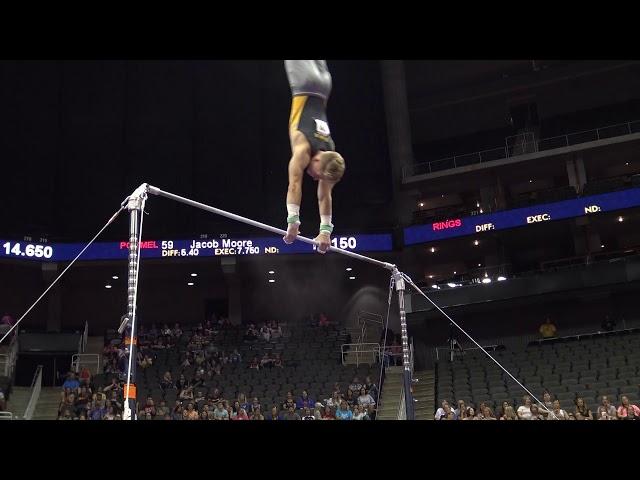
[524,412]
[366,400]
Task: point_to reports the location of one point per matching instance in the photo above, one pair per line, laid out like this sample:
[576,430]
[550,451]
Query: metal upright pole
[134,205]
[406,363]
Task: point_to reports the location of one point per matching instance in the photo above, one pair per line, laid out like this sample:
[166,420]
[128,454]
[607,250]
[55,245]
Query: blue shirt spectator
[71,382]
[343,413]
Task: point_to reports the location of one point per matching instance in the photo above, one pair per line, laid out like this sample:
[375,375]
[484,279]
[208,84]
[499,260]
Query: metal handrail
[10,356]
[359,349]
[6,416]
[36,387]
[535,144]
[80,359]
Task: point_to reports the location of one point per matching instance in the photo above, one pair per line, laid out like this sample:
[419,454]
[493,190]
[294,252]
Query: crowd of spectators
[548,409]
[81,400]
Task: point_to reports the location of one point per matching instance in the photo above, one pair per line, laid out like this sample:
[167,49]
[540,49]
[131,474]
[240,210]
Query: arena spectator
[327,413]
[220,413]
[558,412]
[71,381]
[548,329]
[371,387]
[251,335]
[277,361]
[255,363]
[366,399]
[626,407]
[350,398]
[305,401]
[7,320]
[582,411]
[440,412]
[524,410]
[167,381]
[85,376]
[274,414]
[535,413]
[608,324]
[235,356]
[162,409]
[266,361]
[276,331]
[343,412]
[469,414]
[606,411]
[334,401]
[359,413]
[355,385]
[257,415]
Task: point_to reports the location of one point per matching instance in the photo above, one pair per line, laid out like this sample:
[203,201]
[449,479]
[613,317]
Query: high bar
[248,221]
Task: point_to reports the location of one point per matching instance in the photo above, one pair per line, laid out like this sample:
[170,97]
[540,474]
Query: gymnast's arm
[300,159]
[324,206]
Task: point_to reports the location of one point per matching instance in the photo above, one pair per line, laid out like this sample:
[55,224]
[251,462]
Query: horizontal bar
[248,221]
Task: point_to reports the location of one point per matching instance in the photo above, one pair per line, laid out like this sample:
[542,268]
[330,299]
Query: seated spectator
[582,411]
[85,376]
[608,324]
[323,320]
[215,397]
[334,401]
[166,331]
[626,408]
[450,414]
[470,414]
[558,413]
[606,411]
[274,414]
[255,364]
[327,413]
[177,331]
[220,413]
[343,412]
[186,394]
[277,361]
[366,399]
[167,381]
[255,405]
[162,409]
[241,415]
[509,414]
[71,382]
[355,385]
[7,320]
[524,410]
[291,414]
[266,361]
[257,415]
[265,333]
[289,403]
[199,396]
[182,382]
[176,413]
[149,407]
[232,414]
[371,387]
[440,412]
[83,396]
[276,331]
[305,401]
[359,413]
[251,335]
[190,413]
[535,413]
[235,356]
[97,411]
[546,401]
[65,415]
[371,412]
[306,414]
[113,386]
[350,398]
[548,329]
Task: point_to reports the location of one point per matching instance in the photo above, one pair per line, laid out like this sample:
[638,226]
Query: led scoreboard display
[457,227]
[61,252]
